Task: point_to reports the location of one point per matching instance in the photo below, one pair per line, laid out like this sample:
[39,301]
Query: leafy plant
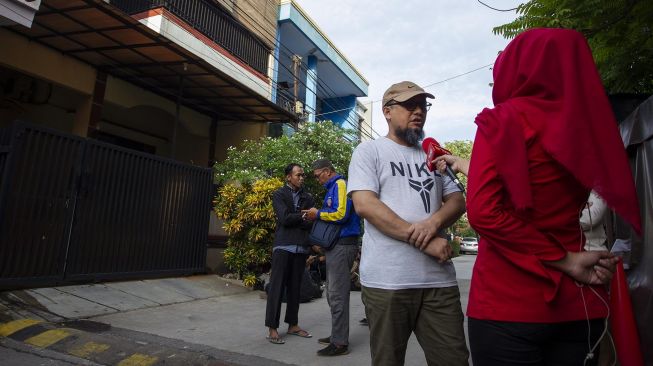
[455,245]
[267,157]
[249,176]
[462,148]
[467,231]
[248,216]
[620,33]
[250,280]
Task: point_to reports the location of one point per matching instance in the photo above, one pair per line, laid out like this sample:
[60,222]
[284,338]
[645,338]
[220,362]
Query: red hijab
[547,78]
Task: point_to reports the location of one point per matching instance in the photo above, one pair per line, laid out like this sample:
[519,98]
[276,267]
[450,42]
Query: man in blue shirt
[337,209]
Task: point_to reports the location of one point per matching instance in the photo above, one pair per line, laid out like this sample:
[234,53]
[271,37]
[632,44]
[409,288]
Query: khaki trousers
[433,314]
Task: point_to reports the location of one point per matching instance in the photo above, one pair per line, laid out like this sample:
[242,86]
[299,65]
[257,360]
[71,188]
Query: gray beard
[412,136]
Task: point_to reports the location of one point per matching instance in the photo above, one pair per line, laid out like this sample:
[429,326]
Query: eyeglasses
[318,175]
[410,105]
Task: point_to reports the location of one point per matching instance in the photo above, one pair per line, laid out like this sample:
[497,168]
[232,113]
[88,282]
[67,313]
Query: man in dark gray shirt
[289,253]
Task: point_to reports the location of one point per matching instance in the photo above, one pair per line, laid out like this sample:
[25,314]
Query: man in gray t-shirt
[408,281]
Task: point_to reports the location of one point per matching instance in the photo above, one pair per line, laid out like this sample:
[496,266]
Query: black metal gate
[74,210]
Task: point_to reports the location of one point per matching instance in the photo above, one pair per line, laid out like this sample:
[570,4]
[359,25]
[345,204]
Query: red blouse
[510,281]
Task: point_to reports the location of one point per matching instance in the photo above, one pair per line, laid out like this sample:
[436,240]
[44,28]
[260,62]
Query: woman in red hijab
[536,297]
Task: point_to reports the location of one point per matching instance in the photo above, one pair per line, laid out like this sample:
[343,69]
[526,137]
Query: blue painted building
[312,76]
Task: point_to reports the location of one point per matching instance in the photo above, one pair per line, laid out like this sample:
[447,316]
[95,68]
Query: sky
[424,41]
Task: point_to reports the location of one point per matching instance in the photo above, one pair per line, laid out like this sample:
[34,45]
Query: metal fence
[213,22]
[75,210]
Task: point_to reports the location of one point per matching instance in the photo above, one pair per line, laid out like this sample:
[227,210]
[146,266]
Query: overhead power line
[321,84]
[426,86]
[496,8]
[459,75]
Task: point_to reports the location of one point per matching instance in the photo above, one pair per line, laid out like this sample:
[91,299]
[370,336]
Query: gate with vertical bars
[78,210]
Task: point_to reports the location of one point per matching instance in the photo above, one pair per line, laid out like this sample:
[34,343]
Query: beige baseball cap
[403,91]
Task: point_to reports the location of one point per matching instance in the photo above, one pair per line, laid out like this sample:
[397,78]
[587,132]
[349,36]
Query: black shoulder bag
[324,234]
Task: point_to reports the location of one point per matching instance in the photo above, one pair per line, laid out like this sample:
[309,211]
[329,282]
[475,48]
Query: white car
[469,245]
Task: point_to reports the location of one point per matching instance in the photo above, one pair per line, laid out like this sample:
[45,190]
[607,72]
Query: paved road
[219,330]
[235,324]
[464,264]
[14,353]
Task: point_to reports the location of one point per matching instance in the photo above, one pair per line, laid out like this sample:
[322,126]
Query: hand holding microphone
[457,164]
[433,150]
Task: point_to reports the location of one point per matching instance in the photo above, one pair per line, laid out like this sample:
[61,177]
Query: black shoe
[326,340]
[333,350]
[364,322]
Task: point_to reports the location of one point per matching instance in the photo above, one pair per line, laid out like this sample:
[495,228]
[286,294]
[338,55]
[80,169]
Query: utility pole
[296,61]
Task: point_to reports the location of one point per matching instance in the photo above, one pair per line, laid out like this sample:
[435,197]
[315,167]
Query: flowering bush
[248,216]
[249,176]
[267,157]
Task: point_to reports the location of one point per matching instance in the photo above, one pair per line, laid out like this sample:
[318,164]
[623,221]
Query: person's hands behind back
[590,268]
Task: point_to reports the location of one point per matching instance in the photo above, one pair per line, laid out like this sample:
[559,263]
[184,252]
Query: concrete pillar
[213,133]
[175,127]
[89,111]
[311,88]
[82,116]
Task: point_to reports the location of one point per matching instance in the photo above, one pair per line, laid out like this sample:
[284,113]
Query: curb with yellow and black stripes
[99,347]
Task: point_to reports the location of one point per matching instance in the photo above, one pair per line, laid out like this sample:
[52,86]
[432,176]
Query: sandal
[301,333]
[275,340]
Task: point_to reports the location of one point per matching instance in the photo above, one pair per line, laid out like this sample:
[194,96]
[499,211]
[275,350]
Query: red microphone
[433,149]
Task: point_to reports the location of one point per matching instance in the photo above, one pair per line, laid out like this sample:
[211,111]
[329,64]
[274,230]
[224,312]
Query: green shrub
[267,157]
[248,216]
[455,245]
[249,176]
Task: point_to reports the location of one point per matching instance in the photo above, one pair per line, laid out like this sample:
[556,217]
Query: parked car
[469,245]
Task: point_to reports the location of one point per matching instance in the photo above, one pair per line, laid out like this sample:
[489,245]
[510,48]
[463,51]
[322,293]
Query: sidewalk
[204,319]
[55,320]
